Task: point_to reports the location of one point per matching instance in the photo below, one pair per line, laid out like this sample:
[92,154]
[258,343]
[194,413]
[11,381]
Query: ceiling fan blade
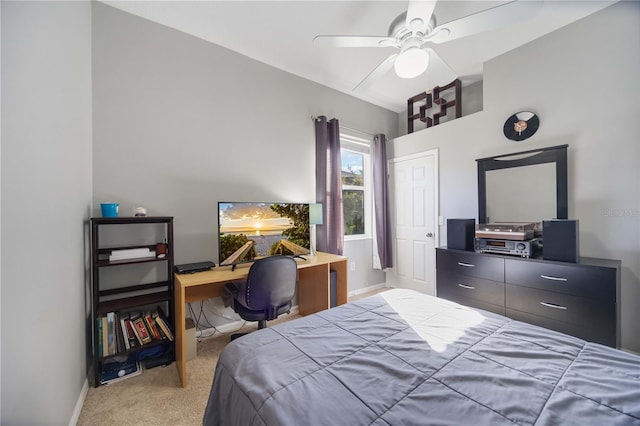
[418,15]
[490,19]
[377,72]
[354,41]
[439,72]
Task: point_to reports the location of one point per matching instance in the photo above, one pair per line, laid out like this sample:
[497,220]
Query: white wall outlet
[352,266]
[440,220]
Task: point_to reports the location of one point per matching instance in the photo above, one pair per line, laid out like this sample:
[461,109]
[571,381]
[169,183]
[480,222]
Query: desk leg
[342,282]
[180,326]
[313,289]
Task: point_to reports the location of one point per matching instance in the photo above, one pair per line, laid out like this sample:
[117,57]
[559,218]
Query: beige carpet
[155,397]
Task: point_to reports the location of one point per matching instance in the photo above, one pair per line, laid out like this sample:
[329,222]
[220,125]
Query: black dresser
[580,299]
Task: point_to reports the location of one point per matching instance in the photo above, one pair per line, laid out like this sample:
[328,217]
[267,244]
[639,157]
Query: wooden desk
[312,292]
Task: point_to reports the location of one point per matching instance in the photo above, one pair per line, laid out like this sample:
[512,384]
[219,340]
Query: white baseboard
[367,289]
[78,408]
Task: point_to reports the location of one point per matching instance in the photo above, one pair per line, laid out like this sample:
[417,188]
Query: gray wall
[180,124]
[46,198]
[582,81]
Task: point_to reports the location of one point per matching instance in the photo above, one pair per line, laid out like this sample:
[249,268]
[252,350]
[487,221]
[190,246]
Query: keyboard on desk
[190,268]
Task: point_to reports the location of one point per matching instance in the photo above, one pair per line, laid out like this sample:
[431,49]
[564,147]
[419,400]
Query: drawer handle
[547,277]
[553,305]
[470,287]
[466,265]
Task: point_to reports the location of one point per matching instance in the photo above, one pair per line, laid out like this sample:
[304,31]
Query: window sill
[356,237]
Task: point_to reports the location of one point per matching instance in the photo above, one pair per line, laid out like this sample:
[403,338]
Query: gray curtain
[330,235]
[381,200]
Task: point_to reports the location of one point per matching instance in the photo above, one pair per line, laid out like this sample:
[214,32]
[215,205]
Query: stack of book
[120,332]
[147,327]
[126,254]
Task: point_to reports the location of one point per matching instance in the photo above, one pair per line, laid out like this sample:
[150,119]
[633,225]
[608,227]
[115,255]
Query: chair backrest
[271,282]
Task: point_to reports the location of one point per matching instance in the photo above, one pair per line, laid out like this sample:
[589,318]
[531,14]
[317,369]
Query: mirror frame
[554,154]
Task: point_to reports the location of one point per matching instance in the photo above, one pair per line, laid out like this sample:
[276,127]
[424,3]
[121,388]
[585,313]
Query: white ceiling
[281,33]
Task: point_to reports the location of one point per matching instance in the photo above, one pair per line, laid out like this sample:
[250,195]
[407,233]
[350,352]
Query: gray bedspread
[405,358]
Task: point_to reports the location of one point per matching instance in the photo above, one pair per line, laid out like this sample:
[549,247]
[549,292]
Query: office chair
[267,292]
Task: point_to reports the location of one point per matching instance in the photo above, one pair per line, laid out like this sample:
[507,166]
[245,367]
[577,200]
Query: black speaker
[460,233]
[561,240]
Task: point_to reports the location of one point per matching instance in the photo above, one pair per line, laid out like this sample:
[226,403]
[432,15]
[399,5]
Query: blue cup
[109,209]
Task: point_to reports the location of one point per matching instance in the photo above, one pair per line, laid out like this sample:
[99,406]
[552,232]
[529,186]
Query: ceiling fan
[414,32]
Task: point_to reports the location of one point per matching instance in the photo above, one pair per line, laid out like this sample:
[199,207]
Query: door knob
[430,234]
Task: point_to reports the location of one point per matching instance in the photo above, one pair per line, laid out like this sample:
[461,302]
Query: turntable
[515,231]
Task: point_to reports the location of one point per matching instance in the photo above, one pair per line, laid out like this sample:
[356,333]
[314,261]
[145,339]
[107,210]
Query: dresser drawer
[584,281]
[560,307]
[451,285]
[471,264]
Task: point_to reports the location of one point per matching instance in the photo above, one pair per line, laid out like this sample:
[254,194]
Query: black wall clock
[521,125]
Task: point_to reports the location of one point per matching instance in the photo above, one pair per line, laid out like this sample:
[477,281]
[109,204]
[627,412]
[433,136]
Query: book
[163,324]
[134,342]
[99,334]
[153,331]
[135,332]
[111,334]
[159,325]
[141,330]
[125,334]
[163,336]
[131,252]
[119,368]
[120,347]
[105,336]
[139,255]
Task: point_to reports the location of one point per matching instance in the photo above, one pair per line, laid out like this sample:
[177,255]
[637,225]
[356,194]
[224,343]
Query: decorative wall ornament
[431,98]
[521,125]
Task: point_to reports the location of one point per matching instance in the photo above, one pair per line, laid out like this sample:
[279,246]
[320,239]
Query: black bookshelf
[127,295]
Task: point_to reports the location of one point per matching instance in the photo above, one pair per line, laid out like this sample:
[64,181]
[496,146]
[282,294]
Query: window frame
[358,144]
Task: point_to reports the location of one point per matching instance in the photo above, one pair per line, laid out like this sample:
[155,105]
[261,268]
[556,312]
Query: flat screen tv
[253,230]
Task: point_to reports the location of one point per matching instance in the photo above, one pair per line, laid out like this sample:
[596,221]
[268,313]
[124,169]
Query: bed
[405,358]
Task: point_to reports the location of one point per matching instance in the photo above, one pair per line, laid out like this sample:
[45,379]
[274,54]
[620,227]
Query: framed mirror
[527,186]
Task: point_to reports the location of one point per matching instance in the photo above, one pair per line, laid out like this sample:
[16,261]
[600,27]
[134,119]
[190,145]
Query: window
[356,178]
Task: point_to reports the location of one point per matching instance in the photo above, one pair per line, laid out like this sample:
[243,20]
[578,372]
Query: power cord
[202,315]
[196,320]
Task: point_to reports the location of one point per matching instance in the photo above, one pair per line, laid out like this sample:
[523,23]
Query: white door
[414,204]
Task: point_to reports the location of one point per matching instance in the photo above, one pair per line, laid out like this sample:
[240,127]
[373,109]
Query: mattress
[406,358]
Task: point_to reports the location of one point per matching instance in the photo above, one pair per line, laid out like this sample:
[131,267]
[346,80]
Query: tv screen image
[252,230]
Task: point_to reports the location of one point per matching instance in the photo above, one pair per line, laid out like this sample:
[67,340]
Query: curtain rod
[315,117]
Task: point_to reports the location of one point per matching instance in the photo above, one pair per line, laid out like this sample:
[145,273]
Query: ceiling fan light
[411,63]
